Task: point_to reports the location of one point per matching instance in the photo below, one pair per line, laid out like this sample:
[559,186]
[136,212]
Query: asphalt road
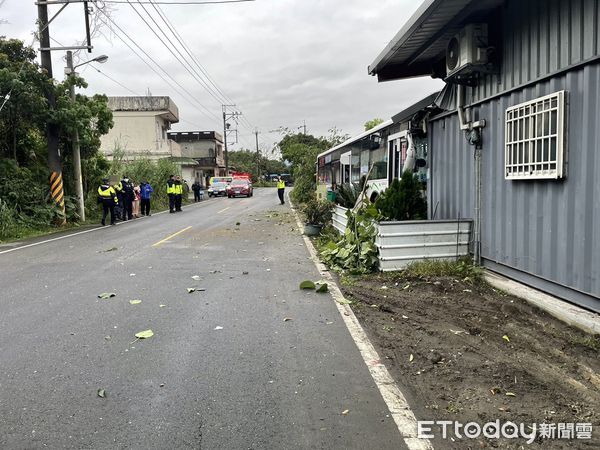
[258,383]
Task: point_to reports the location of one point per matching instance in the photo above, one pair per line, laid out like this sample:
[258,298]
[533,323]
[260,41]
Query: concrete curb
[570,314]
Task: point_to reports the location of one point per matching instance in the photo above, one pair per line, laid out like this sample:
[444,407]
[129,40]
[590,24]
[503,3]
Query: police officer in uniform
[171,193]
[108,197]
[128,196]
[178,193]
[280,189]
[118,187]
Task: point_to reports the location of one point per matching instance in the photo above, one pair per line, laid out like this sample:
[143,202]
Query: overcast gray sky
[281,61]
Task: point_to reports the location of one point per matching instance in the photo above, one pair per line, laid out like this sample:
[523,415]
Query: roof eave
[405,32]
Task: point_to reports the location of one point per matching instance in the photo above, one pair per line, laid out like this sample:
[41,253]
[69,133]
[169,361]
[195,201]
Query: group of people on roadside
[124,200]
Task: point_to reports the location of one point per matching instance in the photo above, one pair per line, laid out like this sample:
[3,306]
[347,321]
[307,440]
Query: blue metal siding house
[517,148]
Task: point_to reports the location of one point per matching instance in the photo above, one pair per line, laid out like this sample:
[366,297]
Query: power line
[195,59]
[159,66]
[99,71]
[194,74]
[191,55]
[120,84]
[114,81]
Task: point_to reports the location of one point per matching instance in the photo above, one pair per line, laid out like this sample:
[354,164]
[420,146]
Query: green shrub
[355,252]
[403,200]
[317,212]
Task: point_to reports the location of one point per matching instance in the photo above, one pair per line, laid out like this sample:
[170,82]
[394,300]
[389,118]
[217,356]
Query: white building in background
[140,128]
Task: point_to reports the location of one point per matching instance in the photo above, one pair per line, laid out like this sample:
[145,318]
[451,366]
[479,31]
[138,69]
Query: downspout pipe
[469,127]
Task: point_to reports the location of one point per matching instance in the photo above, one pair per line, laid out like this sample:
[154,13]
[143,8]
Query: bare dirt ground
[464,351]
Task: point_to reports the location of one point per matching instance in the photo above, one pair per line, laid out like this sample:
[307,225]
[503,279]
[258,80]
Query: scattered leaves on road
[218,327]
[135,302]
[345,412]
[144,334]
[196,277]
[411,357]
[506,338]
[287,319]
[106,295]
[101,393]
[161,305]
[112,249]
[307,284]
[510,394]
[322,288]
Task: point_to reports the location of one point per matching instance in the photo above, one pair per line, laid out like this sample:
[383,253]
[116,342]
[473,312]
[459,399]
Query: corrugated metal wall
[549,229]
[540,38]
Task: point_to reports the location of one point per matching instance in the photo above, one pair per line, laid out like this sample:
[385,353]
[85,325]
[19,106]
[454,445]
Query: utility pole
[303,126]
[234,114]
[76,151]
[225,126]
[70,72]
[257,155]
[52,132]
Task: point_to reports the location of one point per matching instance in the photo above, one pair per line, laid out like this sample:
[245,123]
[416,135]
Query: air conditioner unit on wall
[467,51]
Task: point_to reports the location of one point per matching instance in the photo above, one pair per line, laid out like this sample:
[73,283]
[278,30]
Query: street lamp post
[70,71]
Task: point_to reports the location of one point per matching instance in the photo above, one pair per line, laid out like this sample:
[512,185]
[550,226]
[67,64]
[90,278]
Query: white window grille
[535,133]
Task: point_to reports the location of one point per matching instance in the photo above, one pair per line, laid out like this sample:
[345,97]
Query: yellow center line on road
[219,212]
[170,237]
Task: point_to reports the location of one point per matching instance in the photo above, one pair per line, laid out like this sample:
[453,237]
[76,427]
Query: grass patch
[591,342]
[348,280]
[463,269]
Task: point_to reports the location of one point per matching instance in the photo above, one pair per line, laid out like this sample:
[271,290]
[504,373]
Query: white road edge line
[81,232]
[394,398]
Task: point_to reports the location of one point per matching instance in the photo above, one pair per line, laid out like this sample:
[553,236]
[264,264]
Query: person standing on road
[280,189]
[171,193]
[196,188]
[145,194]
[118,187]
[128,197]
[108,197]
[136,201]
[178,193]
